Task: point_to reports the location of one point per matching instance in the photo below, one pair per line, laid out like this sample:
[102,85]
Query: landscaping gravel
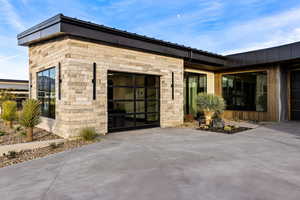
[26,155]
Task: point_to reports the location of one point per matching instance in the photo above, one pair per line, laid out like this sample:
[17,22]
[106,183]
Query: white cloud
[265,32]
[16,67]
[9,14]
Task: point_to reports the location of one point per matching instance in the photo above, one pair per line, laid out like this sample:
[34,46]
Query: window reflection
[46,92]
[245,91]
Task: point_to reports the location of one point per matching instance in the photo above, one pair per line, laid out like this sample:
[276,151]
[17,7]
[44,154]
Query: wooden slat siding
[271,114]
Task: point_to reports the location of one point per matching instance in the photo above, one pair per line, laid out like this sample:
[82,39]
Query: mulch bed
[195,125]
[26,155]
[220,130]
[14,136]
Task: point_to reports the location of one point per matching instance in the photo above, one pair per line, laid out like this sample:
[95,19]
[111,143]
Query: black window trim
[37,89]
[235,73]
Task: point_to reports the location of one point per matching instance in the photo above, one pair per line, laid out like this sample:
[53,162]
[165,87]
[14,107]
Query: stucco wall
[77,108]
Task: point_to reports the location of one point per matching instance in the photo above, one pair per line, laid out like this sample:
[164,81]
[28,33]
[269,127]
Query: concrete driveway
[166,164]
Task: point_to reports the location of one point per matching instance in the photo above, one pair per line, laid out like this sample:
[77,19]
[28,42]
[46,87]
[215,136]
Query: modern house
[19,88]
[89,75]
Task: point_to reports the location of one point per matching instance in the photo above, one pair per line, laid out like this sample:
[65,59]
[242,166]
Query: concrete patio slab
[167,164]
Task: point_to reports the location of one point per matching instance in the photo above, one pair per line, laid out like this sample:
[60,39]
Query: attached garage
[133,101]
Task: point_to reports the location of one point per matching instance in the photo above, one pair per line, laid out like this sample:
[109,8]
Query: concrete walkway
[167,164]
[28,145]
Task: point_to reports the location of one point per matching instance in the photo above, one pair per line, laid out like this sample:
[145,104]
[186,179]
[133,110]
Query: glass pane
[192,87]
[140,120]
[152,81]
[122,93]
[121,121]
[120,79]
[121,107]
[245,91]
[152,106]
[261,92]
[140,93]
[202,84]
[46,92]
[140,80]
[152,118]
[152,93]
[140,106]
[52,108]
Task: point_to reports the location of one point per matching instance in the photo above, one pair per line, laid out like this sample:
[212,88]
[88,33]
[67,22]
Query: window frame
[50,114]
[248,72]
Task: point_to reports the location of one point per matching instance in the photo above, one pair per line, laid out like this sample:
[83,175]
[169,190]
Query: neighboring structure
[20,88]
[88,75]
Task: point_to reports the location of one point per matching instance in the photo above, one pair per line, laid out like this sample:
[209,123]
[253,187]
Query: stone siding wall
[77,108]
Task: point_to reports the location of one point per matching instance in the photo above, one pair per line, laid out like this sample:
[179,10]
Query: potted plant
[210,104]
[30,116]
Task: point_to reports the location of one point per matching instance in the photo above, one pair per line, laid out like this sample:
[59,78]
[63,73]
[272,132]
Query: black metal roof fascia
[13,81]
[61,24]
[265,56]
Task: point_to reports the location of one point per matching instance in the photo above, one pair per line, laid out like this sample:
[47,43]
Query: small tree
[30,116]
[6,95]
[210,104]
[9,112]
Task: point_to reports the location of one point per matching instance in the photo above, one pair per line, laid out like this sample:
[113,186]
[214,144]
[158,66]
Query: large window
[46,92]
[245,91]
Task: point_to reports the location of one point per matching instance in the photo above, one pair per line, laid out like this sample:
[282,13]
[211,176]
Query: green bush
[6,95]
[1,133]
[9,112]
[210,104]
[30,116]
[18,128]
[88,134]
[10,154]
[227,128]
[23,133]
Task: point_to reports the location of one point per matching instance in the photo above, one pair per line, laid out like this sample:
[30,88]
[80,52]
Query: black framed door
[194,84]
[295,95]
[133,101]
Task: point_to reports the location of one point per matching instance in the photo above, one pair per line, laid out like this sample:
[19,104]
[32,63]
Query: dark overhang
[274,55]
[14,81]
[62,25]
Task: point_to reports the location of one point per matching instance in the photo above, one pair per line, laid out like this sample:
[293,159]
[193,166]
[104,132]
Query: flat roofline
[63,25]
[14,81]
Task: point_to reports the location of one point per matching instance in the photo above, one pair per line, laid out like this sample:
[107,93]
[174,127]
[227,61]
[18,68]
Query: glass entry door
[133,101]
[194,84]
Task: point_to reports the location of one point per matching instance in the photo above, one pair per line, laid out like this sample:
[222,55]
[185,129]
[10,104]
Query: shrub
[227,128]
[6,95]
[10,154]
[18,128]
[88,134]
[30,116]
[9,112]
[210,104]
[23,133]
[1,133]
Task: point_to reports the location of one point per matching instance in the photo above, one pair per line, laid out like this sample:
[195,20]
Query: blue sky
[220,26]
